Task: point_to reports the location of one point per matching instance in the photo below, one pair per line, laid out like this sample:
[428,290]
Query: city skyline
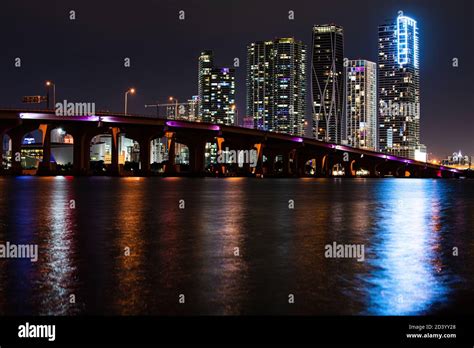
[218,164]
[439,145]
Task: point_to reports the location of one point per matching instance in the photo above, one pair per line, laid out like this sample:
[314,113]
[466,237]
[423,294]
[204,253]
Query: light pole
[175,107]
[49,84]
[131,91]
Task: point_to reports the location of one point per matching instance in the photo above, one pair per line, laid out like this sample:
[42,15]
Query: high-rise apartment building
[276,85]
[399,88]
[216,87]
[327,82]
[361,104]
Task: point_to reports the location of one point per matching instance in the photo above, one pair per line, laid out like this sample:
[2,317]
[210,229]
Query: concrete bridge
[297,156]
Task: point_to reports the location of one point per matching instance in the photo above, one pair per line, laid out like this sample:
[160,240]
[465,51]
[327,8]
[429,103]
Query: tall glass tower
[361,104]
[206,63]
[327,82]
[216,87]
[276,85]
[399,87]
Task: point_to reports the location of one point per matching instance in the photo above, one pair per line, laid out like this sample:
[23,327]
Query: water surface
[408,227]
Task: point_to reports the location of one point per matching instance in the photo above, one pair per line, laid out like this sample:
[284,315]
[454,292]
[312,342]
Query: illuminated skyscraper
[399,88]
[216,87]
[327,82]
[192,109]
[361,104]
[276,85]
[205,66]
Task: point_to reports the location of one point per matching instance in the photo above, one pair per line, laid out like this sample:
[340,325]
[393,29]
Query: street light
[49,84]
[175,107]
[131,91]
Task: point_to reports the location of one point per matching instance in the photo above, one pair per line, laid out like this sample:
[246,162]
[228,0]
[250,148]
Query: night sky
[85,57]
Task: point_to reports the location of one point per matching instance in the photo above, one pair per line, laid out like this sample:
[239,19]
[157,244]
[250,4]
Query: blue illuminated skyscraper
[399,88]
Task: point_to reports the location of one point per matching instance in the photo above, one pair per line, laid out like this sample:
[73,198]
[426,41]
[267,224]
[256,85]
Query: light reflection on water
[57,269]
[408,228]
[406,280]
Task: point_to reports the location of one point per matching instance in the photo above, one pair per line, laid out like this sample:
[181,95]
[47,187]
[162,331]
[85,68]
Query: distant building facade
[458,160]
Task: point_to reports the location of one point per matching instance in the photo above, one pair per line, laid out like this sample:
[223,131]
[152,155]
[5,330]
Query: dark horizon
[85,57]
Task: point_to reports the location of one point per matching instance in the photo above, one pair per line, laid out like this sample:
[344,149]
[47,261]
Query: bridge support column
[170,166]
[196,156]
[318,172]
[145,156]
[258,170]
[286,164]
[81,148]
[327,164]
[45,167]
[16,137]
[293,162]
[221,168]
[270,163]
[244,169]
[114,166]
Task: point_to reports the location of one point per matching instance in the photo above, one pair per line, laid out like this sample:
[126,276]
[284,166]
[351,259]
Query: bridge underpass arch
[360,168]
[62,150]
[32,150]
[338,169]
[231,156]
[404,171]
[238,160]
[283,163]
[310,167]
[100,153]
[175,155]
[391,169]
[382,169]
[158,154]
[326,165]
[181,157]
[129,154]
